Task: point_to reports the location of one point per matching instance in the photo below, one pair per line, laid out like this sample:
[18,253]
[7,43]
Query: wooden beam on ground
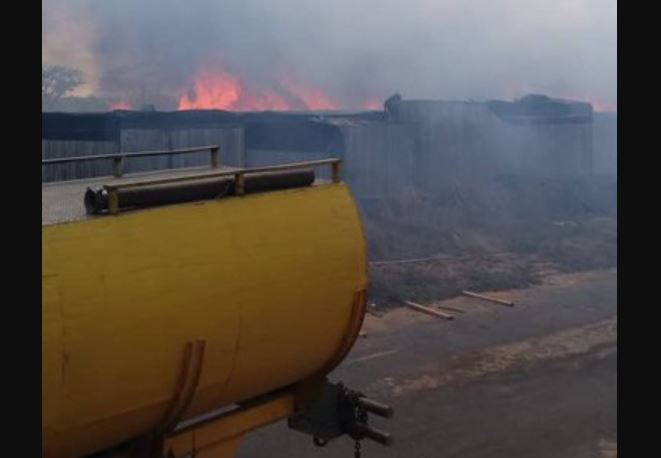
[449,309]
[488,298]
[429,311]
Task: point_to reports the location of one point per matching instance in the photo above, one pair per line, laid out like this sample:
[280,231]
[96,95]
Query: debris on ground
[488,298]
[429,311]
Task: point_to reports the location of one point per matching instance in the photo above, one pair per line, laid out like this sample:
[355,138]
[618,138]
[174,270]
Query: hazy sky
[450,49]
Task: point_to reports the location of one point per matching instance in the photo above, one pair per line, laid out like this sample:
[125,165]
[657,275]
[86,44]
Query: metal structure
[118,159]
[173,330]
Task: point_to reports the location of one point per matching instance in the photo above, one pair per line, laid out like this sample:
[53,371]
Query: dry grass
[493,236]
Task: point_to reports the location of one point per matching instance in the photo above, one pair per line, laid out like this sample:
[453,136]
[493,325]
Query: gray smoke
[353,50]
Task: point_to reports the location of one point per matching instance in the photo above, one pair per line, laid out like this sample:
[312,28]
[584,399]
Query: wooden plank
[429,311]
[450,309]
[488,298]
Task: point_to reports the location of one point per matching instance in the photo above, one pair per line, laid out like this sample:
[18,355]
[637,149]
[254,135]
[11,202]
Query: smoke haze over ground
[340,54]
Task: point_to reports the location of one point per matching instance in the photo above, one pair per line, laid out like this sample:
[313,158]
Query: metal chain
[361,416]
[356,453]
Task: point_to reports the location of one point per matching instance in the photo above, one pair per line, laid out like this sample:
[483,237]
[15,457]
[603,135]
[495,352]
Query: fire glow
[212,90]
[223,91]
[120,106]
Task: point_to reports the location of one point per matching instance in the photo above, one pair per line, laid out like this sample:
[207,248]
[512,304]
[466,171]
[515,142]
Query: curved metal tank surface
[268,281]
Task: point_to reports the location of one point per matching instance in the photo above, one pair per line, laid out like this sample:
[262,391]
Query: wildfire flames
[121,106]
[312,98]
[221,90]
[214,88]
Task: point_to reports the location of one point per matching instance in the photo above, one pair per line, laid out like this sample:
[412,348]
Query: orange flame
[312,98]
[221,90]
[120,106]
[212,91]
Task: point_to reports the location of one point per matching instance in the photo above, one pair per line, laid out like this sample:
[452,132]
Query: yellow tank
[267,281]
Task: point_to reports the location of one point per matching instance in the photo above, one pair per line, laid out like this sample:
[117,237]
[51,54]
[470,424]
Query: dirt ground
[534,380]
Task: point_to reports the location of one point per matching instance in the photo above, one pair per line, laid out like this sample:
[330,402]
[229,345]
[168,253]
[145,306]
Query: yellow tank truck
[185,308]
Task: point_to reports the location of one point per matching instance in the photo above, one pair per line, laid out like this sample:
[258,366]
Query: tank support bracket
[151,444]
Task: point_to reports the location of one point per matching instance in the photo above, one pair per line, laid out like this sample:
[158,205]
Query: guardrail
[118,159]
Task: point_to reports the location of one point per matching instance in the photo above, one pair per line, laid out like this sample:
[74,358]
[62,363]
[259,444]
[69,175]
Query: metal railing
[118,159]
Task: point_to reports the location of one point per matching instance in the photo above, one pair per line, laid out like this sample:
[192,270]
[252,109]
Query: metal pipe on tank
[96,200]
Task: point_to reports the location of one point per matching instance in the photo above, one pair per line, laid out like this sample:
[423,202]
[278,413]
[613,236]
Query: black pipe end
[95,200]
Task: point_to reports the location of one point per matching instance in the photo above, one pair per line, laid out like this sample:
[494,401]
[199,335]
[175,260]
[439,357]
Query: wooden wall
[54,149]
[379,158]
[605,143]
[467,139]
[230,140]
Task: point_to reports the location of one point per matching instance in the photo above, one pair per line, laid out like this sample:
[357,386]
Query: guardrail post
[215,157]
[239,184]
[117,163]
[335,166]
[113,201]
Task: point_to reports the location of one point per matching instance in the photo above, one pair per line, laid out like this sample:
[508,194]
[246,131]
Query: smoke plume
[340,54]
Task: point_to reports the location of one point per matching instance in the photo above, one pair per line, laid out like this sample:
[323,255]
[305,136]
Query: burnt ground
[487,234]
[534,380]
[485,259]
